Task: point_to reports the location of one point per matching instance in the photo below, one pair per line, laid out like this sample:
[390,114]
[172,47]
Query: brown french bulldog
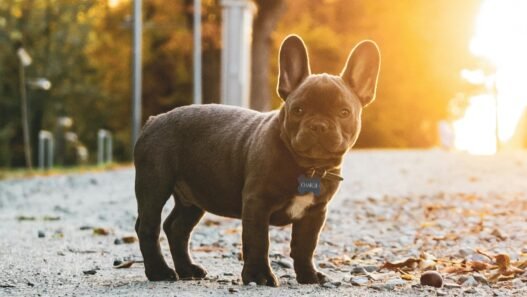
[274,168]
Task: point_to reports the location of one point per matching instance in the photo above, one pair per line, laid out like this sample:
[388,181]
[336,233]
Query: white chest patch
[299,204]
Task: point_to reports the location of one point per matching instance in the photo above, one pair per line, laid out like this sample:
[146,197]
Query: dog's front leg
[255,237]
[303,243]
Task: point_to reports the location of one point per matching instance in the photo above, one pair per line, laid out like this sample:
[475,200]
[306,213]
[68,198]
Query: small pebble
[469,291]
[480,278]
[41,234]
[468,281]
[233,290]
[395,282]
[328,285]
[359,280]
[364,269]
[463,252]
[432,278]
[452,286]
[90,272]
[284,263]
[518,283]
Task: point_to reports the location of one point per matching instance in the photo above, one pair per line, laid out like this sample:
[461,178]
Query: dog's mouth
[318,148]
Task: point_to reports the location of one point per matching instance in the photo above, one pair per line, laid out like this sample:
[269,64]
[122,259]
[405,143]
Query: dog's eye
[298,110]
[344,113]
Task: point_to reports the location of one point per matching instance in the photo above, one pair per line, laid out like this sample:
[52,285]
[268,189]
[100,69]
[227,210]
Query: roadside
[437,208]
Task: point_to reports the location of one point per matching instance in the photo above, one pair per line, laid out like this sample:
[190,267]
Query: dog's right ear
[293,65]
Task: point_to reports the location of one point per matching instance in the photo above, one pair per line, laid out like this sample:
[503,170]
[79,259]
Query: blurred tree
[83,48]
[264,24]
[424,45]
[57,51]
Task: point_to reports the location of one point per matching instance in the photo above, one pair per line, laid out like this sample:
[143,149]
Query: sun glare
[501,38]
[114,3]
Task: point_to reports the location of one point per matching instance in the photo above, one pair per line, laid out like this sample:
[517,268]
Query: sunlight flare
[501,28]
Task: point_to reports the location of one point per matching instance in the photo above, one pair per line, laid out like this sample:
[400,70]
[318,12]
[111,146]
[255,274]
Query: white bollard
[104,147]
[45,150]
[237,20]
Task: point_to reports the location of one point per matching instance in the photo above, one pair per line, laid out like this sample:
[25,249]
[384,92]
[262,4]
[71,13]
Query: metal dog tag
[309,185]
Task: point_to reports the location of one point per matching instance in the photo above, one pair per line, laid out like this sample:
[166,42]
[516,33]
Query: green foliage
[84,49]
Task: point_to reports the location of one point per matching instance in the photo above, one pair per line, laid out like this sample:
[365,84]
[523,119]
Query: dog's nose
[318,126]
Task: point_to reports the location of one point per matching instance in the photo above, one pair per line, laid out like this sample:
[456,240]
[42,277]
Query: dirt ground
[397,214]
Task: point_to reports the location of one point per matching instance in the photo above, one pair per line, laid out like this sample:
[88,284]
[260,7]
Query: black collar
[323,174]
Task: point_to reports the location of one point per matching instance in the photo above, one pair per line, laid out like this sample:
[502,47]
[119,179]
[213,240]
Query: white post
[197,52]
[237,21]
[45,149]
[136,70]
[104,147]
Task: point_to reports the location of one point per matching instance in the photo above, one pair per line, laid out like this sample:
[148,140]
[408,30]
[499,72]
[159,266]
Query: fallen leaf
[125,264]
[483,253]
[25,218]
[51,218]
[339,261]
[101,231]
[473,179]
[129,239]
[232,231]
[456,269]
[210,222]
[503,261]
[208,249]
[521,264]
[406,276]
[479,266]
[498,234]
[408,263]
[505,270]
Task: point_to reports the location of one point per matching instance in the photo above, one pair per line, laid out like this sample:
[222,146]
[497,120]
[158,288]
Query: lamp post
[136,71]
[25,60]
[197,52]
[40,83]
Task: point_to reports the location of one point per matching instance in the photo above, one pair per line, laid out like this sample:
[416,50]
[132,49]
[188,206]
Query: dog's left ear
[362,70]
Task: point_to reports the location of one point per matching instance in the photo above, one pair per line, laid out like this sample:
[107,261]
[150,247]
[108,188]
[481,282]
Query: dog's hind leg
[178,228]
[152,188]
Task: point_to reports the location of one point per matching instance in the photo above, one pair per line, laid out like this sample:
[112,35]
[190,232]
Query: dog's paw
[313,277]
[165,274]
[262,277]
[190,272]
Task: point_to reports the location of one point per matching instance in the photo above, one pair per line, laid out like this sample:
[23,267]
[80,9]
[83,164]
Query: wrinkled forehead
[323,90]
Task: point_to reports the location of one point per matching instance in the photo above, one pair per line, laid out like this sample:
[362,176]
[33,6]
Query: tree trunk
[269,12]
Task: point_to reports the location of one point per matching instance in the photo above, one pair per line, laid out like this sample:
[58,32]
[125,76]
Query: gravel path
[61,235]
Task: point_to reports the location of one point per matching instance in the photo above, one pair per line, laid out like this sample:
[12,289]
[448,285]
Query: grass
[26,173]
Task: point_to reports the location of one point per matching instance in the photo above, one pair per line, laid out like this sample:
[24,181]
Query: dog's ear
[293,65]
[362,70]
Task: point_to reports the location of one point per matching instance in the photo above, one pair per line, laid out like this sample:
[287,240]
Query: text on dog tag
[309,185]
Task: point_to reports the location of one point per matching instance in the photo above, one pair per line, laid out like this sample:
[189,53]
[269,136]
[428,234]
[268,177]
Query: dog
[273,168]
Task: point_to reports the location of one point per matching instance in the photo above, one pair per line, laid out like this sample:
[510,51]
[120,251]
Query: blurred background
[452,73]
